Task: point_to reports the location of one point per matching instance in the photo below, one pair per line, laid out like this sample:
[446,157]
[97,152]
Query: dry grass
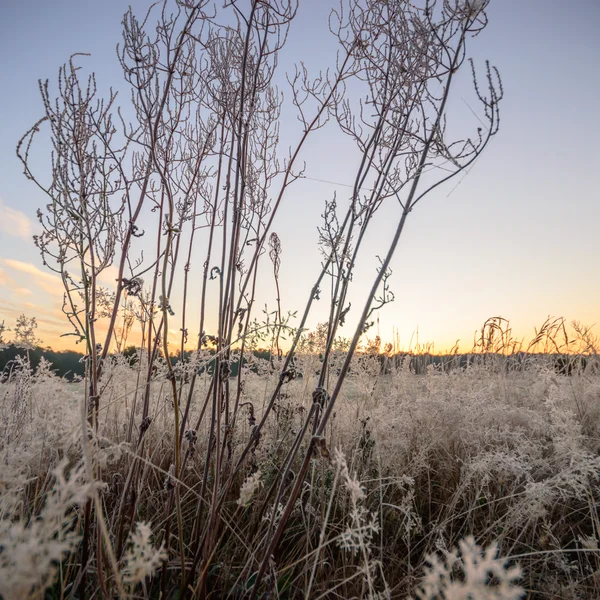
[311,475]
[509,459]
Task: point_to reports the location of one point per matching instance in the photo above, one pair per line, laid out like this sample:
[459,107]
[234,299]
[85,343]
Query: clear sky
[519,236]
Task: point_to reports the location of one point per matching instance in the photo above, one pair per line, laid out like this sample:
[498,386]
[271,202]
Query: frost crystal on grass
[30,551]
[142,558]
[469,573]
[248,489]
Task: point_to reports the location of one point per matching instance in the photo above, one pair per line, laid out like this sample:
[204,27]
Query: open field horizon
[309,252]
[540,338]
[412,465]
[555,335]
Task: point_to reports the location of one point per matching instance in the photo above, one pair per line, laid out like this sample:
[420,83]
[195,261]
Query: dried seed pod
[320,396]
[322,446]
[145,424]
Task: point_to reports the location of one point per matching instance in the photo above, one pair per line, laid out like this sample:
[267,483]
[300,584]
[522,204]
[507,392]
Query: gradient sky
[519,236]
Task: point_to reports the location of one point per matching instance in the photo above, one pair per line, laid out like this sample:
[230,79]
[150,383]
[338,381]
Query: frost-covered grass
[424,481]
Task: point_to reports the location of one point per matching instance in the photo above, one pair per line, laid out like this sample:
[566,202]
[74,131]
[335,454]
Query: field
[214,444]
[419,479]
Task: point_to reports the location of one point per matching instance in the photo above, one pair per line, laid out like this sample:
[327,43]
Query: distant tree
[3,340]
[25,336]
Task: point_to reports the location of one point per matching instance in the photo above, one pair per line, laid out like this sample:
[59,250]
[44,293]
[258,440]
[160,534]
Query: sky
[517,236]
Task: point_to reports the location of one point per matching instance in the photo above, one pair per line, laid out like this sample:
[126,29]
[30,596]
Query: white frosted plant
[470,573]
[248,489]
[30,552]
[268,516]
[363,526]
[564,428]
[142,558]
[411,522]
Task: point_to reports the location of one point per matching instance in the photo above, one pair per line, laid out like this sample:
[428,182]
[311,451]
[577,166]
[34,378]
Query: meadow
[235,452]
[476,482]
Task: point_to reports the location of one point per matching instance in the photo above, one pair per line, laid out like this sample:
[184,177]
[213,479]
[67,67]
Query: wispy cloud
[52,314]
[5,279]
[51,322]
[22,291]
[14,222]
[48,282]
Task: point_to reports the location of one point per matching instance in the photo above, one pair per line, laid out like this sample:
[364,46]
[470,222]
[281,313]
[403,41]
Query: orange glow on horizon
[51,337]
